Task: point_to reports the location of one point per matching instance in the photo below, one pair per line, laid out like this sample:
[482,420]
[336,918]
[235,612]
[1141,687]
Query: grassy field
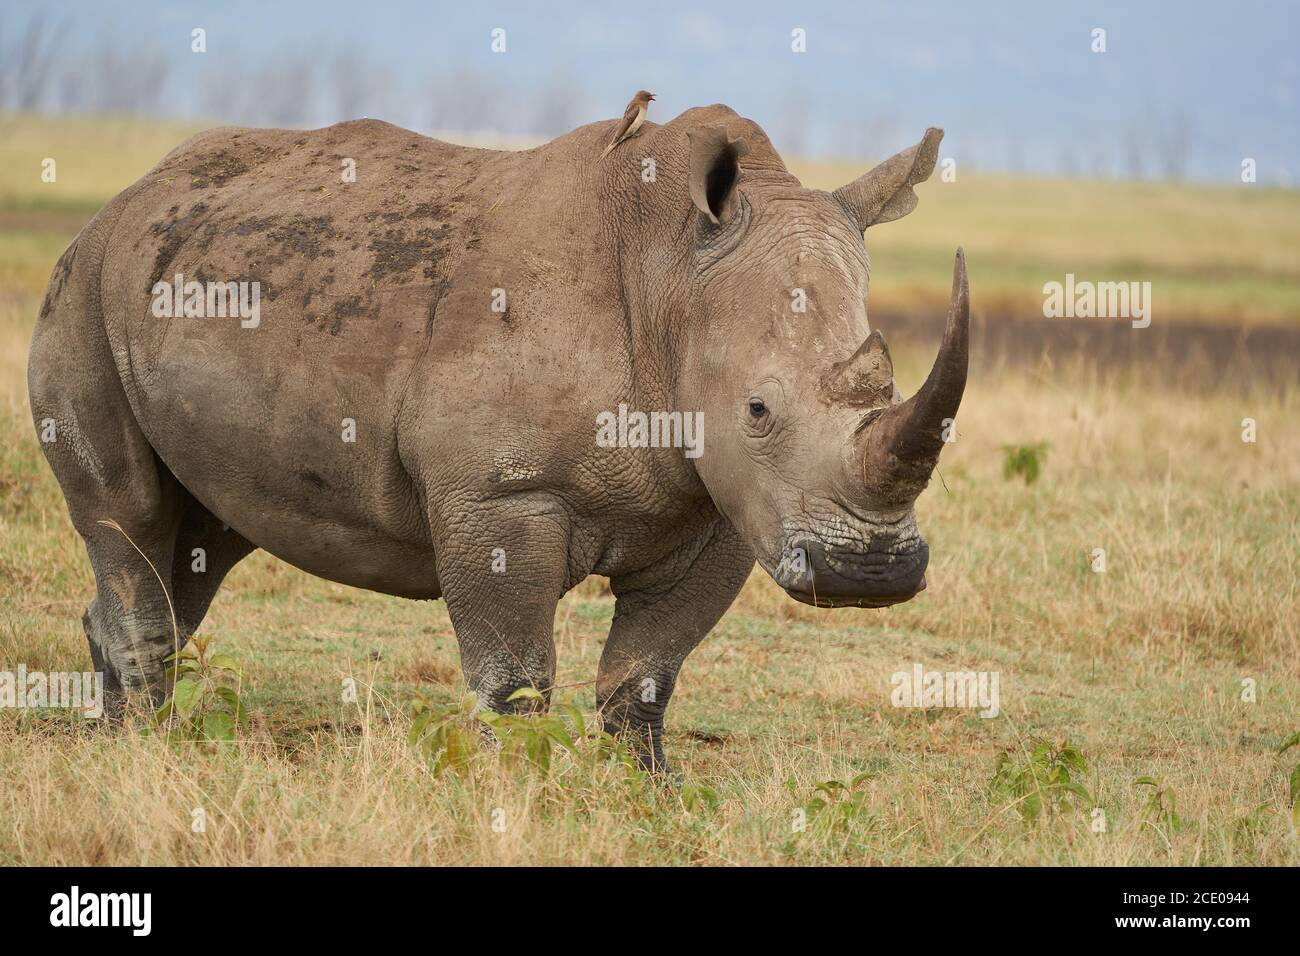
[1210,252]
[1139,668]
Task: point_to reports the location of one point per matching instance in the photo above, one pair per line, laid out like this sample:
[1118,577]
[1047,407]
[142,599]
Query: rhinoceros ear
[886,193]
[714,171]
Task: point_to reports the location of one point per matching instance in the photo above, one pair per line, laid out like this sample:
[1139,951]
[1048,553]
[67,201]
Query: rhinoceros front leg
[661,614]
[502,574]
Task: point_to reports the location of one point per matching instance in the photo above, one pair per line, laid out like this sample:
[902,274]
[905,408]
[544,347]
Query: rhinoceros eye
[757,408]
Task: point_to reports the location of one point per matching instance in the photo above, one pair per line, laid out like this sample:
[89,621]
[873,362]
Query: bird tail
[609,149]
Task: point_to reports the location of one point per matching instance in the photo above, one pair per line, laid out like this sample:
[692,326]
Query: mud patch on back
[417,238]
[304,236]
[347,307]
[174,232]
[290,236]
[216,170]
[398,252]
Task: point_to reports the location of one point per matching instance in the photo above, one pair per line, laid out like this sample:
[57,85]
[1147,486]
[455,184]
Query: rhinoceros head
[812,453]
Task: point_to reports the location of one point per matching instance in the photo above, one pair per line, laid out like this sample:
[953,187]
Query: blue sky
[1015,84]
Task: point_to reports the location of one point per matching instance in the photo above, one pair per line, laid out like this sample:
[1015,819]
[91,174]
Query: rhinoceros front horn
[902,444]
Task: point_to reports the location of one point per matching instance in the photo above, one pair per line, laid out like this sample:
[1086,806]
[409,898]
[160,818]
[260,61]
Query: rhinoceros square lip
[824,601]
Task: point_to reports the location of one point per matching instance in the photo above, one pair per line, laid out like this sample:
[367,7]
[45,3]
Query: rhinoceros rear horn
[885,192]
[714,171]
[903,444]
[865,378]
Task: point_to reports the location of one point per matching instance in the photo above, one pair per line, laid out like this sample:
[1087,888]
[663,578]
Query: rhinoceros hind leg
[130,626]
[124,502]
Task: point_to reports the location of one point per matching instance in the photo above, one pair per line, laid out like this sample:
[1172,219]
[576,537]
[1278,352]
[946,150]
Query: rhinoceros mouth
[826,576]
[816,599]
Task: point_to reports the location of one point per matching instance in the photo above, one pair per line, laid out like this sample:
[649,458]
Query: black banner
[338,905]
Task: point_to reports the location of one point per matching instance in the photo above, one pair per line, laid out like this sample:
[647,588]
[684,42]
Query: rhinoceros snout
[827,576]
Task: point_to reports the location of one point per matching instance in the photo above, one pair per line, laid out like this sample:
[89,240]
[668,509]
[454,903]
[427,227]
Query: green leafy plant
[1160,812]
[834,807]
[1027,461]
[1294,792]
[205,702]
[449,736]
[1042,780]
[532,737]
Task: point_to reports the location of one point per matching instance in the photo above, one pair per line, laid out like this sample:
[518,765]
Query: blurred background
[1183,90]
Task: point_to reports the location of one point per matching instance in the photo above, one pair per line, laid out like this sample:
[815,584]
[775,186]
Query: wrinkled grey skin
[475,429]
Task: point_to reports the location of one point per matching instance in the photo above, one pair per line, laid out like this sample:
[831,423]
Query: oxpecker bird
[633,117]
